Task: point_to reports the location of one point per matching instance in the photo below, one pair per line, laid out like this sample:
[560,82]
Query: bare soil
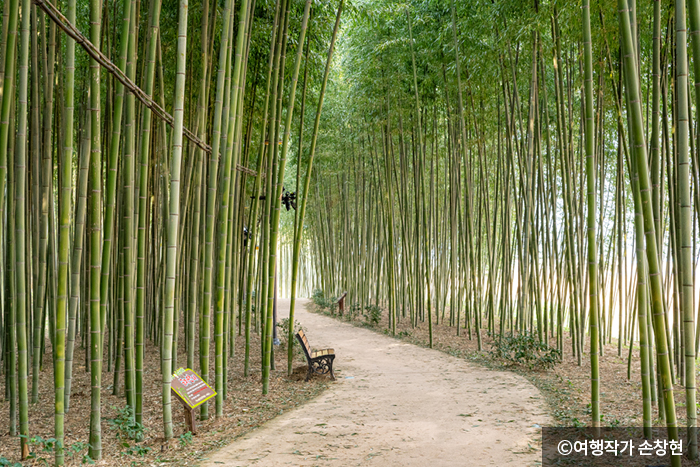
[244,409]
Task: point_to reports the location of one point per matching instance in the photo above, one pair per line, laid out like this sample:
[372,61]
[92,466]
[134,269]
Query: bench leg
[322,366]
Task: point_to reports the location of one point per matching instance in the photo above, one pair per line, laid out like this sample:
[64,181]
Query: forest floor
[392,403]
[395,403]
[245,409]
[566,386]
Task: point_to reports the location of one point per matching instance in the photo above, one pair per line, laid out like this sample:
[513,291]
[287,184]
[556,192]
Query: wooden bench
[320,361]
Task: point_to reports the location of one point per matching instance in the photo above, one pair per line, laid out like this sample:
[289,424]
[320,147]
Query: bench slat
[305,342]
[320,353]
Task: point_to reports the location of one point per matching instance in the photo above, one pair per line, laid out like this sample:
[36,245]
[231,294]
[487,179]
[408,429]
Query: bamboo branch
[63,23]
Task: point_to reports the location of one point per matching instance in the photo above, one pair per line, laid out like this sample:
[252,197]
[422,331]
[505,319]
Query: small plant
[319,299]
[8,463]
[50,445]
[185,439]
[126,425]
[129,429]
[525,349]
[44,445]
[354,311]
[76,448]
[373,314]
[283,326]
[577,423]
[322,302]
[137,450]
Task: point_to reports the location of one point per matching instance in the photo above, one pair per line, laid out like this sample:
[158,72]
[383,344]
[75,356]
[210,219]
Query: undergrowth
[283,332]
[127,426]
[322,302]
[38,447]
[372,314]
[524,349]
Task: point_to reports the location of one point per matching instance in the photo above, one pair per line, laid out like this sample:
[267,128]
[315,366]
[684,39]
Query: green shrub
[7,463]
[137,451]
[39,445]
[353,312]
[185,439]
[526,350]
[323,303]
[126,425]
[76,448]
[373,314]
[283,332]
[319,299]
[46,445]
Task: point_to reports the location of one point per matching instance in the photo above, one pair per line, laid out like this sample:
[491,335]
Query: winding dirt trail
[396,404]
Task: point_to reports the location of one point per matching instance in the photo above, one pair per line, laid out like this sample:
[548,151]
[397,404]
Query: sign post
[192,391]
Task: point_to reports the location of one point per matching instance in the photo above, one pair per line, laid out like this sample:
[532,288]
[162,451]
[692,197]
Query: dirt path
[396,404]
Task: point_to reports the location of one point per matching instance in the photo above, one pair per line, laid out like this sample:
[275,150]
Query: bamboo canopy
[515,171]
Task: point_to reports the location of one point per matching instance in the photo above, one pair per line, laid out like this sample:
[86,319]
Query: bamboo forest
[506,192]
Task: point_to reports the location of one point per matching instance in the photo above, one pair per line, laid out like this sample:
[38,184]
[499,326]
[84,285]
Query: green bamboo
[112,161]
[20,239]
[154,27]
[694,17]
[296,239]
[12,292]
[64,207]
[79,218]
[10,71]
[421,156]
[686,242]
[43,154]
[279,55]
[223,212]
[274,223]
[637,136]
[202,107]
[211,202]
[591,204]
[127,223]
[454,188]
[173,218]
[95,220]
[263,156]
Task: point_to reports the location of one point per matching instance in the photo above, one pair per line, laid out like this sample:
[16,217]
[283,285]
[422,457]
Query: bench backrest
[301,337]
